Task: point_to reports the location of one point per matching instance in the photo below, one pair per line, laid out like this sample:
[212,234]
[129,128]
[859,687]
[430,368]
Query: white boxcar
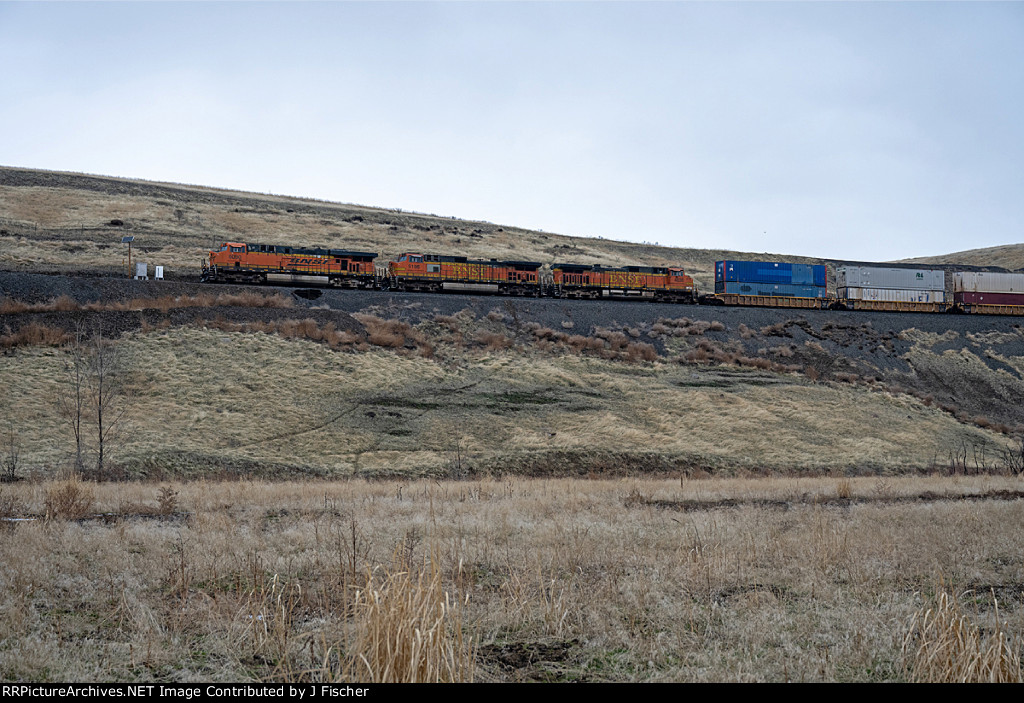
[892,278]
[985,282]
[892,295]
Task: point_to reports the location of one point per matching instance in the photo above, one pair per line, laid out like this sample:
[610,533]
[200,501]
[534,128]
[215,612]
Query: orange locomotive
[644,282]
[236,262]
[434,273]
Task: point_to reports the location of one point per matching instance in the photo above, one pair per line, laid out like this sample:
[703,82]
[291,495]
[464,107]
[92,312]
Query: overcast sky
[861,130]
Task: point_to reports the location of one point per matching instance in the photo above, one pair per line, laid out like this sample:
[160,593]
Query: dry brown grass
[248,299]
[35,335]
[508,579]
[944,645]
[408,629]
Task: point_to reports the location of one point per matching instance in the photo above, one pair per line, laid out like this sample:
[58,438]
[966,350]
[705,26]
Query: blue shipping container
[771,272]
[785,290]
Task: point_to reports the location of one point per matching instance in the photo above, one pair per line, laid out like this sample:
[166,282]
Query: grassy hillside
[233,386]
[1009,256]
[379,413]
[70,222]
[53,221]
[557,389]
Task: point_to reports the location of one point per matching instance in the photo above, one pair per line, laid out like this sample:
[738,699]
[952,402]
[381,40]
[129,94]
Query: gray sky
[862,130]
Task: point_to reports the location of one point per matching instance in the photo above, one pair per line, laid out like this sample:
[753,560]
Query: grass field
[812,579]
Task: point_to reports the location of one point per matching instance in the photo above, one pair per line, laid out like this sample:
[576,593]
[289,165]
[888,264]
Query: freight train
[746,283]
[237,262]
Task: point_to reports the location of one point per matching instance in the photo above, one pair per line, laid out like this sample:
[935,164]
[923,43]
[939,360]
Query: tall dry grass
[598,580]
[409,629]
[944,645]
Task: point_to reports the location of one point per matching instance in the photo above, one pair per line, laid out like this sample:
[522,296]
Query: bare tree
[93,395]
[72,396]
[12,453]
[108,397]
[1013,458]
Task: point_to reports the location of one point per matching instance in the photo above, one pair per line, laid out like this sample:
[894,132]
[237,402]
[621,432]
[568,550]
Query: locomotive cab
[229,256]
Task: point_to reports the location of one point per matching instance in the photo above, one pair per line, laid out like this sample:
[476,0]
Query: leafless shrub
[65,304]
[250,299]
[10,507]
[754,362]
[9,306]
[448,321]
[640,351]
[544,332]
[493,341]
[567,324]
[67,500]
[496,316]
[384,333]
[716,326]
[616,340]
[578,342]
[725,357]
[34,335]
[697,355]
[167,500]
[812,373]
[746,332]
[780,329]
